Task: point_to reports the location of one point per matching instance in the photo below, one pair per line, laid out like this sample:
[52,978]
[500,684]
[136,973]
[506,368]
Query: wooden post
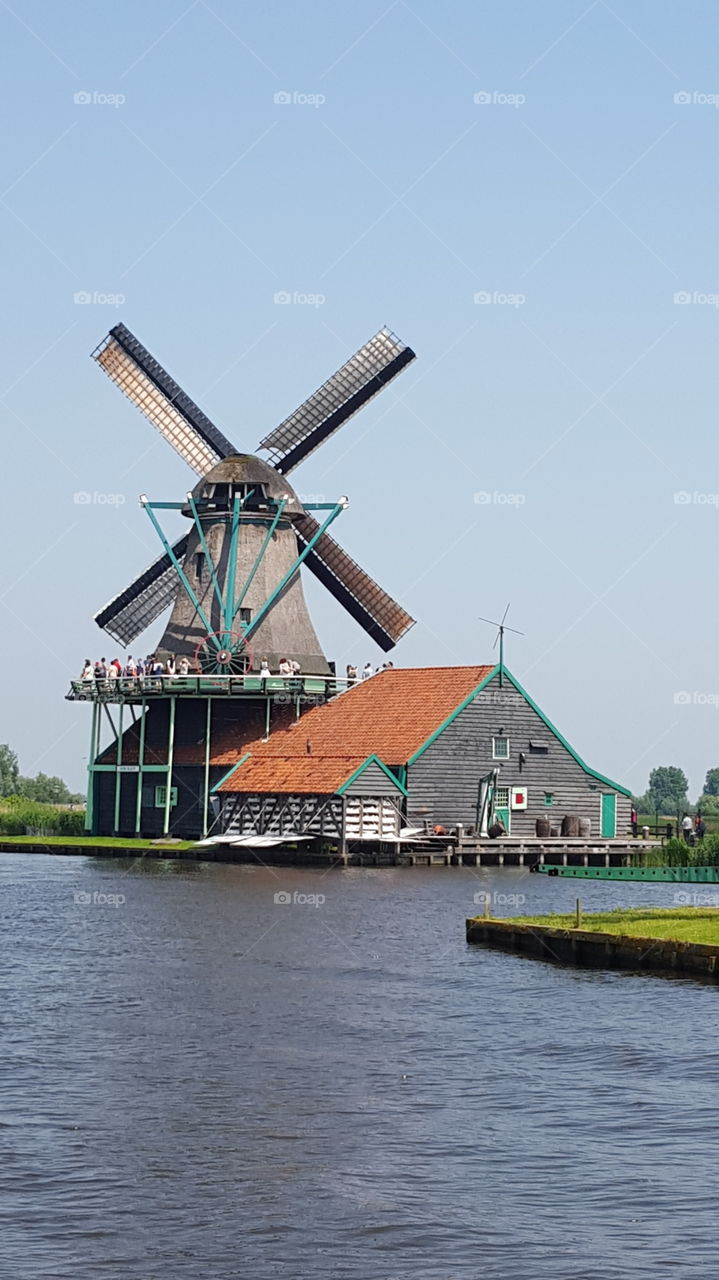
[170,762]
[578,919]
[140,763]
[206,796]
[487,911]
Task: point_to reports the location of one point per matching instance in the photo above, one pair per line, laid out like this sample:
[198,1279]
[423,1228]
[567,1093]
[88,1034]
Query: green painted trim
[170,762]
[592,772]
[228,610]
[230,772]
[206,795]
[118,775]
[146,768]
[91,767]
[140,768]
[507,675]
[457,711]
[373,759]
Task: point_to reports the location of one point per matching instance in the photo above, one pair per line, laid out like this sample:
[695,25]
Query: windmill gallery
[216,747]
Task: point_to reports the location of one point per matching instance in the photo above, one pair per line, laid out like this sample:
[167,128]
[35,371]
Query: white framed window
[500,748]
[161,797]
[501,798]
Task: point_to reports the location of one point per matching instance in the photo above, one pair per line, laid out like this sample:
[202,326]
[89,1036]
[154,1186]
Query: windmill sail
[359,379]
[162,400]
[132,611]
[382,617]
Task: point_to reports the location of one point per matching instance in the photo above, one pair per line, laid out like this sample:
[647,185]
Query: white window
[500,748]
[501,798]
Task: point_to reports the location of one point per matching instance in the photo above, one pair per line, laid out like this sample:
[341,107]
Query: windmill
[499,638]
[233,579]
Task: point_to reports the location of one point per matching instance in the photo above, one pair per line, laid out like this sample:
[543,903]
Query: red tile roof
[390,715]
[297,775]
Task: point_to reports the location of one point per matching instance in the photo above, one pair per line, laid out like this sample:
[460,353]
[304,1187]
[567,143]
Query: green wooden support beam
[206,550]
[180,571]
[118,775]
[228,614]
[91,767]
[206,792]
[260,555]
[170,762]
[261,613]
[140,766]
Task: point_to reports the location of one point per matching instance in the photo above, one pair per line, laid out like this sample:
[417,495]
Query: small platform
[310,689]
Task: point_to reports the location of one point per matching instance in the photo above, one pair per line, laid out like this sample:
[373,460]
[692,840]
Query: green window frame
[549,799]
[161,797]
[500,748]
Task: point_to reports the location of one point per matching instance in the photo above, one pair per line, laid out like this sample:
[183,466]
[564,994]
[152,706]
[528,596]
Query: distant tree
[709,805]
[668,789]
[711,785]
[9,770]
[46,790]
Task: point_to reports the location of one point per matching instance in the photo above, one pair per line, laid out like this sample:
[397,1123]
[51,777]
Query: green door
[501,807]
[609,816]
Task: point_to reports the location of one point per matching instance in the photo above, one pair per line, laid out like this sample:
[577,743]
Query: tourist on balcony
[351,672]
[296,668]
[101,670]
[285,667]
[183,667]
[170,665]
[87,672]
[367,671]
[130,667]
[264,669]
[111,672]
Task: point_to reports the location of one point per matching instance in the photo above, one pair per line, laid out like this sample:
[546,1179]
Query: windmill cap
[247,470]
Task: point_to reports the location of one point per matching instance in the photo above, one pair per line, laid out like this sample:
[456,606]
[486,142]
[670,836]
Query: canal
[217,1072]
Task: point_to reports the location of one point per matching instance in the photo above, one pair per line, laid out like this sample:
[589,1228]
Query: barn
[424,747]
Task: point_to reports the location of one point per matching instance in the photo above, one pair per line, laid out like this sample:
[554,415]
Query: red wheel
[223,653]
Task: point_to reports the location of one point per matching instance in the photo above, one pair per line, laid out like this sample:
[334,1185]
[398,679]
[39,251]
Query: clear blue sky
[581,410]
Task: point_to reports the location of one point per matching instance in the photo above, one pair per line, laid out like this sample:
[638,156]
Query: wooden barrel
[542,828]
[585,828]
[570,826]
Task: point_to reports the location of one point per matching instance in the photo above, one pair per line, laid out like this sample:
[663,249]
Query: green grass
[96,842]
[683,924]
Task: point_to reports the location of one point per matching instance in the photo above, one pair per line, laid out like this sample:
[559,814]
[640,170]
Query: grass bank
[91,842]
[680,924]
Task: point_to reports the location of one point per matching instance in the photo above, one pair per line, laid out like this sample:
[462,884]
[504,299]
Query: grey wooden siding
[373,782]
[443,784]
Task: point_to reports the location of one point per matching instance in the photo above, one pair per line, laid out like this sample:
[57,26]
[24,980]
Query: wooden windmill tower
[233,581]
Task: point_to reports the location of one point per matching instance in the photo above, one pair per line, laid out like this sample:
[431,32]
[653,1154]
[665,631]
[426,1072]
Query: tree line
[43,788]
[668,793]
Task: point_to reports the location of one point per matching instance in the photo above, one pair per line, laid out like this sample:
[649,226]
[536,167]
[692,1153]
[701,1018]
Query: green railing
[282,688]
